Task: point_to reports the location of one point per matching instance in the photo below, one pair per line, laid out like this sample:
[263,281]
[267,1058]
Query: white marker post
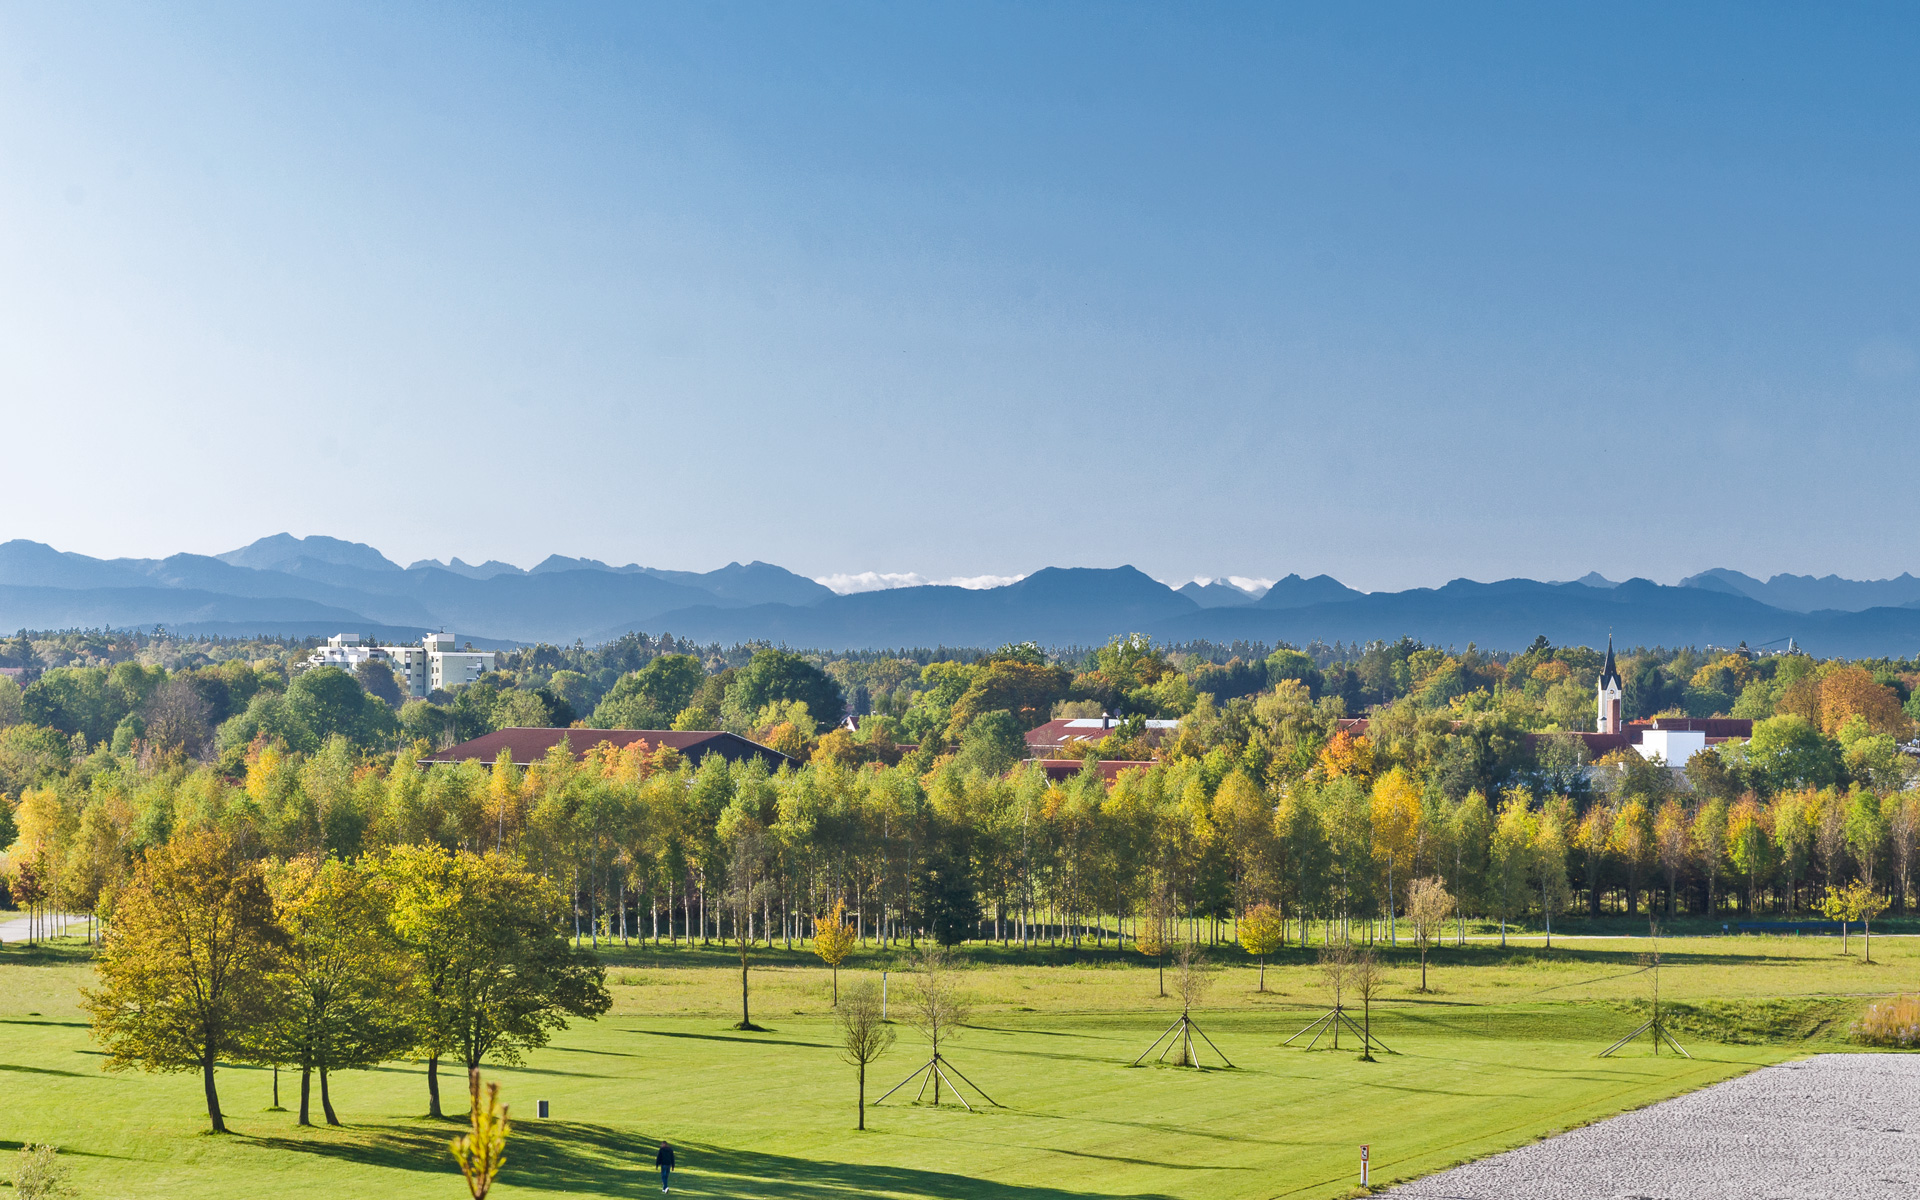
[1363,1166]
[883,995]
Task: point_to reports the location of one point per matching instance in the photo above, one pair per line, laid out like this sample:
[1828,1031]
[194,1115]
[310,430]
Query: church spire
[1608,693]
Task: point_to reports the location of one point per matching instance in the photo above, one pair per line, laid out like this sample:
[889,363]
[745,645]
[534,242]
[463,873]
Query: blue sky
[1400,294]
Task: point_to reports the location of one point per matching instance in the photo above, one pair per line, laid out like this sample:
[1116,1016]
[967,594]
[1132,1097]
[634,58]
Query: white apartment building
[434,663]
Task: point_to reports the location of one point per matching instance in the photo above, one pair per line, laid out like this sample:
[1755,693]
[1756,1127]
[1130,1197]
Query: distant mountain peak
[284,550]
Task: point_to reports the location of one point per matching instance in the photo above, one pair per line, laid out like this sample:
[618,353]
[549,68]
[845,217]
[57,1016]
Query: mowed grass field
[1503,1052]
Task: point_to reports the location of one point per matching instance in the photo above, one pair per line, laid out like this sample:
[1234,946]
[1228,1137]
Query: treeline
[324,964]
[923,820]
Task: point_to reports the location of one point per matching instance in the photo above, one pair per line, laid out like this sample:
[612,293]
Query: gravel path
[15,929]
[1833,1126]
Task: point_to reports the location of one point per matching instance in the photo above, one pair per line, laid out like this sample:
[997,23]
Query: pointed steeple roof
[1610,673]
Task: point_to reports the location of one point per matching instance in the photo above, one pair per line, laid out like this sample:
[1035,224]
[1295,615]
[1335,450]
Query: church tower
[1609,694]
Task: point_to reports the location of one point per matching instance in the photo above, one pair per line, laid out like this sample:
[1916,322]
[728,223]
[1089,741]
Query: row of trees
[325,964]
[638,844]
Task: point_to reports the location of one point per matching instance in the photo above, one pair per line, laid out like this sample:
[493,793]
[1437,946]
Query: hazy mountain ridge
[308,586]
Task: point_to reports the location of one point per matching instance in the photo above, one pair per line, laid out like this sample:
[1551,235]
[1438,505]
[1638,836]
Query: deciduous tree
[864,1036]
[186,975]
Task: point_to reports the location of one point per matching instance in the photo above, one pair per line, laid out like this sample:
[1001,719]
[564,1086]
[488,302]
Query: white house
[434,663]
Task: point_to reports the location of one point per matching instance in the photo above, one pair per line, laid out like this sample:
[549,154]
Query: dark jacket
[665,1157]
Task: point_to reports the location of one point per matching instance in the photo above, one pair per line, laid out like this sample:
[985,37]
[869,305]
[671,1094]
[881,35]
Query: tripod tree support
[1180,1034]
[939,1066]
[1332,1021]
[1660,1033]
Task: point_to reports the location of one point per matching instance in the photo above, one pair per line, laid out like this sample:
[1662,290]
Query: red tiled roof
[1057,733]
[528,746]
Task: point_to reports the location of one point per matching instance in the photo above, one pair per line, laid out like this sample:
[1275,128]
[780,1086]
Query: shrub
[1894,1022]
[38,1174]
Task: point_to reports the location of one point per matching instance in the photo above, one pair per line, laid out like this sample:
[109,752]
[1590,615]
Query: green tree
[343,982]
[1789,752]
[186,974]
[776,676]
[494,973]
[651,697]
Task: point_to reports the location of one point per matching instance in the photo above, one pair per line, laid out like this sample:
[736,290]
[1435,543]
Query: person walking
[664,1160]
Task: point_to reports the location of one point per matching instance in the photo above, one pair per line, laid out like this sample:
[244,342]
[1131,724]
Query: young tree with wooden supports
[1367,975]
[1193,975]
[833,937]
[186,976]
[1429,904]
[935,1009]
[864,1036]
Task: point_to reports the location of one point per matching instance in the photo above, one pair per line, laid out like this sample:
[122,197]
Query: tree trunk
[863,1095]
[1423,968]
[213,1096]
[306,1093]
[433,1087]
[326,1100]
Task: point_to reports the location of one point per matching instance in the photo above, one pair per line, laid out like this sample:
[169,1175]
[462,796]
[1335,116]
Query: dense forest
[922,818]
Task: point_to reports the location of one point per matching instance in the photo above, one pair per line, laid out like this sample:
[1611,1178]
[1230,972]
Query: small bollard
[543,1110]
[1363,1151]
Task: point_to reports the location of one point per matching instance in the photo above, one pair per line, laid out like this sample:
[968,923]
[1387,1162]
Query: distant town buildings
[1070,731]
[432,665]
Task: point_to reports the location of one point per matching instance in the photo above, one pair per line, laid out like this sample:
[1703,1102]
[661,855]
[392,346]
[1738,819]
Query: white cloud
[878,581]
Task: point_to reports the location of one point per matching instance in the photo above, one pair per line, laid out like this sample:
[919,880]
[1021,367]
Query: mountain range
[304,587]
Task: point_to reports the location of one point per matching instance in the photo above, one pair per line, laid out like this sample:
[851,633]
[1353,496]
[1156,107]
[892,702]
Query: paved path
[14,929]
[1833,1126]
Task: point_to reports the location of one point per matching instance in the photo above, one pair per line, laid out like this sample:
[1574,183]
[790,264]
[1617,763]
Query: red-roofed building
[1061,769]
[1070,731]
[529,746]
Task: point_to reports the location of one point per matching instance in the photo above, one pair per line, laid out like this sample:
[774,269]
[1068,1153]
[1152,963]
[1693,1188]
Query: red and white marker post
[1363,1166]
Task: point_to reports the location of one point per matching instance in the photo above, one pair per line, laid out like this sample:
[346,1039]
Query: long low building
[527,746]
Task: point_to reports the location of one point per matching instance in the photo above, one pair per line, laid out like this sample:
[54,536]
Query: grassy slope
[1502,1054]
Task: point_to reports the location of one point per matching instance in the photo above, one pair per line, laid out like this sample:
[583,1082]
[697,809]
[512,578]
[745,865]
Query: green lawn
[1502,1054]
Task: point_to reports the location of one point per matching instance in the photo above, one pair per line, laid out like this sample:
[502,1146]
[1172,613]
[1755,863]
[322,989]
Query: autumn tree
[1262,931]
[864,1036]
[1395,812]
[1670,846]
[833,938]
[186,974]
[1857,901]
[1429,904]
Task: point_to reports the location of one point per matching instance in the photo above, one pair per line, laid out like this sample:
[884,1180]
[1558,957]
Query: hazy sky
[1399,294]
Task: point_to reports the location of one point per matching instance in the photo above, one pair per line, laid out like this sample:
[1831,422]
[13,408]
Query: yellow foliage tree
[833,937]
[1346,754]
[1857,901]
[1261,933]
[1396,830]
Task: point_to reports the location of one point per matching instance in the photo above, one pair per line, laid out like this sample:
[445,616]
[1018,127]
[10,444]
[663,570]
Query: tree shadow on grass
[42,1071]
[565,1156]
[729,1037]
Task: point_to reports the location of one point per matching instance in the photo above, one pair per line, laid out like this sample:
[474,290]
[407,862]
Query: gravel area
[1834,1126]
